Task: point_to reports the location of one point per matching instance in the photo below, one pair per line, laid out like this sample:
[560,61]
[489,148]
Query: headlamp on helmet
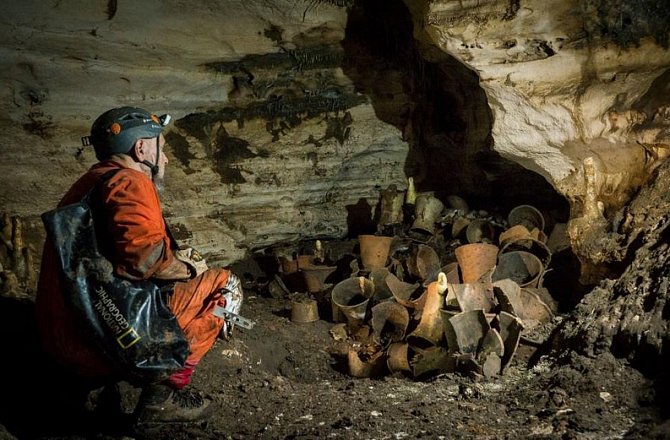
[117,130]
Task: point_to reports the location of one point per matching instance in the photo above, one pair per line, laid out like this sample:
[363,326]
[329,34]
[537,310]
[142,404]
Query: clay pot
[374,366]
[374,251]
[305,261]
[391,206]
[521,267]
[351,297]
[516,232]
[535,247]
[458,202]
[427,209]
[526,215]
[315,277]
[430,328]
[304,311]
[476,260]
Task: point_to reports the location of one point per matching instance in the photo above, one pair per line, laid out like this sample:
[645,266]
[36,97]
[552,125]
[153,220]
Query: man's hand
[193,259]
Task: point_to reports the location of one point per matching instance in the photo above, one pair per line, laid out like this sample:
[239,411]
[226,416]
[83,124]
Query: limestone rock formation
[291,116]
[577,90]
[630,316]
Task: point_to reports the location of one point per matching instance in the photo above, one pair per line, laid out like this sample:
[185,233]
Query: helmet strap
[154,166]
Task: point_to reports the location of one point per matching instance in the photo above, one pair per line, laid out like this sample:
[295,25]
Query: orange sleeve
[136,226]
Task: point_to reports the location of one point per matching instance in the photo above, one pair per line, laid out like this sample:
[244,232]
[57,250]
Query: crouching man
[140,247]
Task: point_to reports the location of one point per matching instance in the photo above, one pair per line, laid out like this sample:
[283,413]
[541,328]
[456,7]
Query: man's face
[149,153]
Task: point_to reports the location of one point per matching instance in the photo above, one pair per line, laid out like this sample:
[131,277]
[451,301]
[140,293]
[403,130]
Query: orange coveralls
[141,246]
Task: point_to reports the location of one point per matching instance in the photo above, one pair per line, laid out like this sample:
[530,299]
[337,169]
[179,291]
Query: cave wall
[290,116]
[577,90]
[271,142]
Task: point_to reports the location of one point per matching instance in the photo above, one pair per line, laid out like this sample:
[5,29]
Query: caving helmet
[117,130]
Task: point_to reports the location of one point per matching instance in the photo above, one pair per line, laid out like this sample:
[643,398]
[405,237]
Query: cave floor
[280,380]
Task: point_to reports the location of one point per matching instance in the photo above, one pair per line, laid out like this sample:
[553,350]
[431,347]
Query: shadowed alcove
[442,111]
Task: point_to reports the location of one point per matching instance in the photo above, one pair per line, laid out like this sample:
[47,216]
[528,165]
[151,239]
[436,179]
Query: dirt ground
[284,380]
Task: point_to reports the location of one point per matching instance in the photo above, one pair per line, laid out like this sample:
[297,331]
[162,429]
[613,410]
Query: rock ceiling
[291,116]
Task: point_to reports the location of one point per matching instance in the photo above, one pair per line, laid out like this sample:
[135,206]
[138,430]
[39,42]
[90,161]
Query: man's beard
[159,183]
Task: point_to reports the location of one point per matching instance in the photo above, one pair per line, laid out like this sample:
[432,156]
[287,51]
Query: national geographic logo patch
[126,336]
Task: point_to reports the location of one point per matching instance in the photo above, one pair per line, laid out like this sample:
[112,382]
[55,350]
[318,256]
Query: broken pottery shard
[492,365]
[362,334]
[510,332]
[546,297]
[372,367]
[407,294]
[459,225]
[505,291]
[355,268]
[466,364]
[492,343]
[490,353]
[522,303]
[397,357]
[473,296]
[431,361]
[339,332]
[424,263]
[558,239]
[449,333]
[469,329]
[277,288]
[534,309]
[382,293]
[389,322]
[450,270]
